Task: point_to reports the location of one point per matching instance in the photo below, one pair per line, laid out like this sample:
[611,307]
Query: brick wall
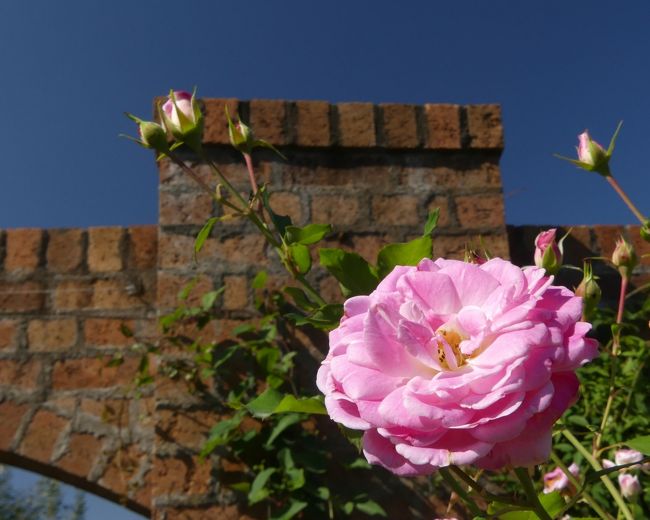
[373,171]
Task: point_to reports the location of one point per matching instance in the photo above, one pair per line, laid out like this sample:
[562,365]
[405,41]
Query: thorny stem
[604,478]
[614,184]
[616,345]
[454,485]
[529,488]
[587,497]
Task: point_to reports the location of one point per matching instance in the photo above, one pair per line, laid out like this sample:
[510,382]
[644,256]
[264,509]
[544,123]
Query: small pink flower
[630,485]
[627,456]
[548,253]
[183,104]
[557,480]
[456,363]
[584,148]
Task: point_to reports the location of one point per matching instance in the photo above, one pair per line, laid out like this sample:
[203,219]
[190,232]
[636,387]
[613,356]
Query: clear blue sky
[71,68]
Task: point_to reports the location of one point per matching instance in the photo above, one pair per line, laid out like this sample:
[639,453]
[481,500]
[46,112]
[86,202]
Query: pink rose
[557,480]
[630,485]
[548,253]
[183,105]
[456,363]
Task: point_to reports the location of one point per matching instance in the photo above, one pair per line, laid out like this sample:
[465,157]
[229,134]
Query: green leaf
[299,298]
[208,299]
[294,507]
[641,444]
[326,317]
[553,503]
[221,433]
[260,280]
[408,253]
[645,231]
[612,142]
[312,405]
[355,274]
[279,221]
[203,235]
[300,257]
[258,490]
[307,235]
[284,423]
[265,404]
[370,507]
[126,331]
[431,223]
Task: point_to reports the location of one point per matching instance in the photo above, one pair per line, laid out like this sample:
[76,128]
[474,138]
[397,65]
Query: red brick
[51,335]
[399,126]
[199,513]
[606,237]
[104,249]
[11,415]
[143,247]
[216,125]
[338,210]
[83,450]
[107,332]
[169,285]
[21,297]
[121,468]
[443,126]
[484,126]
[267,119]
[236,292]
[65,251]
[185,475]
[184,208]
[109,411]
[396,210]
[113,294]
[641,247]
[9,333]
[285,203]
[356,123]
[188,429]
[23,249]
[368,246]
[73,295]
[243,250]
[313,123]
[176,251]
[41,436]
[19,374]
[480,211]
[73,374]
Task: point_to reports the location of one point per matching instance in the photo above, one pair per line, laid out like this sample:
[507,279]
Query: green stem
[484,494]
[453,484]
[529,488]
[587,497]
[604,478]
[616,345]
[614,184]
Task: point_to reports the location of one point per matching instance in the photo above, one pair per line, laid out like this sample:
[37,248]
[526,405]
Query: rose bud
[589,290]
[182,117]
[548,253]
[627,456]
[630,485]
[240,135]
[591,155]
[557,480]
[624,257]
[152,135]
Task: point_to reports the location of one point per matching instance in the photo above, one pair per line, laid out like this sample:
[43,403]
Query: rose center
[447,344]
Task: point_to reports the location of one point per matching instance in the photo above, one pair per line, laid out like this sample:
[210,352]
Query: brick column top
[319,124]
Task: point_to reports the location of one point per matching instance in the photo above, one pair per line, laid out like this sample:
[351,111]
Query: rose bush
[456,363]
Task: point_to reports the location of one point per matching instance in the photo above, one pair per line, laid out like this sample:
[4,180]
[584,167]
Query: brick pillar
[372,171]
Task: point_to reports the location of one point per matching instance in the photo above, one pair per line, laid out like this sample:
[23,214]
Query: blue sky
[71,68]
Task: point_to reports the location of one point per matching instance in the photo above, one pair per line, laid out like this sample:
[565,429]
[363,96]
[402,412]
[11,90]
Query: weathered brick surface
[312,123]
[396,210]
[11,416]
[104,254]
[480,211]
[143,247]
[65,250]
[81,454]
[73,374]
[41,436]
[20,374]
[268,119]
[484,126]
[23,249]
[107,332]
[216,127]
[442,126]
[9,330]
[356,125]
[184,208]
[51,335]
[399,126]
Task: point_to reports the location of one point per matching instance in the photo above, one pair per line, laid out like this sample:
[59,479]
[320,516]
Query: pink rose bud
[241,137]
[182,117]
[627,456]
[630,485]
[624,257]
[589,290]
[548,253]
[592,155]
[153,135]
[557,480]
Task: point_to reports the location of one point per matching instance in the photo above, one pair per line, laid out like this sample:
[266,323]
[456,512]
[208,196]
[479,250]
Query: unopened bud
[548,253]
[241,136]
[182,116]
[624,257]
[153,135]
[589,291]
